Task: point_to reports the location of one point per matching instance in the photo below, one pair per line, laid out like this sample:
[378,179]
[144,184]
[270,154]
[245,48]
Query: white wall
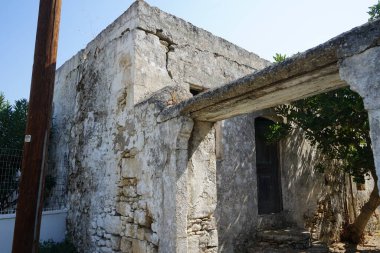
[53,227]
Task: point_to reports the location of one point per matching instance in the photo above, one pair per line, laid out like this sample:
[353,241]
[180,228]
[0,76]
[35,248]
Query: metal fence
[10,174]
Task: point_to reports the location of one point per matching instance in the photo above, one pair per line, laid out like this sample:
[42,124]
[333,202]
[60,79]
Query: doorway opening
[268,170]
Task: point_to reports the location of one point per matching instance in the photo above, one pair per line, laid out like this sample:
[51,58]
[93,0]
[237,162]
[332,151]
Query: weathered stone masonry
[145,178]
[137,184]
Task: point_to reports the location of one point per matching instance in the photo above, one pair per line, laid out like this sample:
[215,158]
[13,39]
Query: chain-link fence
[10,174]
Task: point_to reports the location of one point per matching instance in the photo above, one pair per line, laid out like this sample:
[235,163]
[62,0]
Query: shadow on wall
[236,210]
[314,200]
[311,199]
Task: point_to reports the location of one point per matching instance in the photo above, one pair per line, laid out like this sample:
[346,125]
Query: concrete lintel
[308,73]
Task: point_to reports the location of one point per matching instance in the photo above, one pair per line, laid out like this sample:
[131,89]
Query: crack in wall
[170,47]
[217,55]
[166,41]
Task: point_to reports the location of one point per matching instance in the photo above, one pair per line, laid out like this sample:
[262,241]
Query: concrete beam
[305,74]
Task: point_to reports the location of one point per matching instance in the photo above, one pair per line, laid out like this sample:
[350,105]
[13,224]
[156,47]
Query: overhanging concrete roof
[311,72]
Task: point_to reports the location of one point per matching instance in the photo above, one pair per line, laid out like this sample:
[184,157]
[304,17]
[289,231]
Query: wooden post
[29,205]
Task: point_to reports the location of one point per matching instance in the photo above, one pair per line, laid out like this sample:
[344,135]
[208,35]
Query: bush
[54,247]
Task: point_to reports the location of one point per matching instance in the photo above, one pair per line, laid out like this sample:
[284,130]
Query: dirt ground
[371,245]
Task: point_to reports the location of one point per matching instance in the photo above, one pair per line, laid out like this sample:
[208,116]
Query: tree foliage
[337,124]
[13,120]
[12,123]
[374,11]
[12,128]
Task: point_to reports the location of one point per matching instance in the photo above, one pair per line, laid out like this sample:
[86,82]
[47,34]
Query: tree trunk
[354,232]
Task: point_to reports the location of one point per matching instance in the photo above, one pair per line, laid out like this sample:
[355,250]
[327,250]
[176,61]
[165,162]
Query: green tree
[12,123]
[374,11]
[12,128]
[13,120]
[337,124]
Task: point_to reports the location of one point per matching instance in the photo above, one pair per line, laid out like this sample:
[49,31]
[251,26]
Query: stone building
[145,175]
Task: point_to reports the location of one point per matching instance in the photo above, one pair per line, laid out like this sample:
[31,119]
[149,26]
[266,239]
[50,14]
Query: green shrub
[54,247]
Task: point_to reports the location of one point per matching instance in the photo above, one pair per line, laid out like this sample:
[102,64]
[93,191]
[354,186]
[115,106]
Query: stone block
[140,217]
[129,191]
[124,209]
[145,187]
[193,244]
[152,249]
[154,226]
[211,250]
[125,245]
[141,234]
[131,230]
[204,240]
[129,182]
[115,242]
[139,246]
[130,168]
[106,250]
[196,227]
[101,242]
[99,232]
[213,242]
[100,222]
[151,237]
[112,225]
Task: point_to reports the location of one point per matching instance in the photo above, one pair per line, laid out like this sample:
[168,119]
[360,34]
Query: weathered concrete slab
[314,71]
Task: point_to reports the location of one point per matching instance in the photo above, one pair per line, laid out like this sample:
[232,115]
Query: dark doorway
[268,174]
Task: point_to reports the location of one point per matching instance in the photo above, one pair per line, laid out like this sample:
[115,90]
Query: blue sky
[261,26]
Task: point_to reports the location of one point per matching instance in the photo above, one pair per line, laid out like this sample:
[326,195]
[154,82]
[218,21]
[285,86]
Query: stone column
[362,73]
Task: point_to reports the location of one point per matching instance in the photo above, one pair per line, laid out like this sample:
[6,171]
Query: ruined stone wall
[140,184]
[133,183]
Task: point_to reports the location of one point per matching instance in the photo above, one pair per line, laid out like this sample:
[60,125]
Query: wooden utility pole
[29,205]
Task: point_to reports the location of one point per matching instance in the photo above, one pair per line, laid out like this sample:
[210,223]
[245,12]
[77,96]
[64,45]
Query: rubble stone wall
[137,183]
[133,183]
